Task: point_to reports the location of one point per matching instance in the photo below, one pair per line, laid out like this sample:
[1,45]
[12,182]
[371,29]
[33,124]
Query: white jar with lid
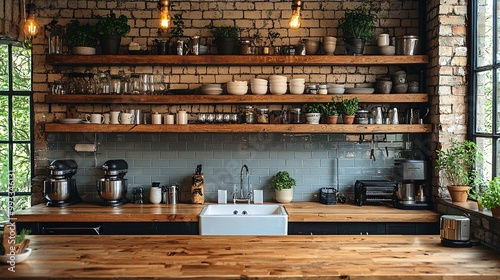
[155,195]
[323,89]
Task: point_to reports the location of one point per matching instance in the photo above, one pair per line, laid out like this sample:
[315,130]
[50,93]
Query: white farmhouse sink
[243,219]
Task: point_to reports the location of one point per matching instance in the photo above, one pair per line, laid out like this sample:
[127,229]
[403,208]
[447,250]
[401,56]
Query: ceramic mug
[94,118]
[106,118]
[114,117]
[383,40]
[182,117]
[126,118]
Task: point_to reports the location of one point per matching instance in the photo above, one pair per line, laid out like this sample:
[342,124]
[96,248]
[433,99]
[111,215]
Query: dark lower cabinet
[314,228]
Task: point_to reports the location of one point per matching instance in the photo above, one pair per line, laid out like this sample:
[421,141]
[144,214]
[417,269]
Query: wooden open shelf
[230,99]
[241,60]
[240,128]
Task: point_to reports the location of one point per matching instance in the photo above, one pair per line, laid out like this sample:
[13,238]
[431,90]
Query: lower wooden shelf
[240,128]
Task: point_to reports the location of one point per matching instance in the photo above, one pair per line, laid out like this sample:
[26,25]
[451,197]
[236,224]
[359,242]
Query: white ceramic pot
[284,196]
[83,50]
[313,118]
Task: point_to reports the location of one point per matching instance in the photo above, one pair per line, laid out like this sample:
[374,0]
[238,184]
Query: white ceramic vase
[284,195]
[313,118]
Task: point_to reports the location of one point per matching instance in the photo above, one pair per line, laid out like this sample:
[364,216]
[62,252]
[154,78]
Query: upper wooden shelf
[241,128]
[242,60]
[230,99]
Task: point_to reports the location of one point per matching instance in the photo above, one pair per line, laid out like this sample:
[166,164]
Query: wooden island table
[354,257]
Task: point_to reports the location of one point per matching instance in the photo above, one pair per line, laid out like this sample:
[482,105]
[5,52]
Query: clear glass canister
[246,114]
[56,40]
[262,115]
[295,115]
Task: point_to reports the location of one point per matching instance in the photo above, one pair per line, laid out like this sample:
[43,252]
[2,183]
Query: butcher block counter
[297,212]
[253,257]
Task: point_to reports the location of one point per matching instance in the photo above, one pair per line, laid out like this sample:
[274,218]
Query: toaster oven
[374,191]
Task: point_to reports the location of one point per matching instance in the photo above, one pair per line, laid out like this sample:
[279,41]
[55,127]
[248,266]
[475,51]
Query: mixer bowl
[112,190]
[406,193]
[57,190]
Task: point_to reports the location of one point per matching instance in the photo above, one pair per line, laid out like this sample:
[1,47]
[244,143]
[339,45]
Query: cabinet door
[129,228]
[361,228]
[179,228]
[312,228]
[70,228]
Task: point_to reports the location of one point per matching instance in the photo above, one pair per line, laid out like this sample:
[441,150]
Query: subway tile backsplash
[314,160]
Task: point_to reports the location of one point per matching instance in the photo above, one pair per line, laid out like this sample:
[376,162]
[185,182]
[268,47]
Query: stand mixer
[60,189]
[112,188]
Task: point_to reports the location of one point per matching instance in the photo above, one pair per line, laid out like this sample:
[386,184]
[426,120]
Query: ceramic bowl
[277,89]
[387,50]
[401,88]
[297,89]
[312,46]
[19,258]
[258,89]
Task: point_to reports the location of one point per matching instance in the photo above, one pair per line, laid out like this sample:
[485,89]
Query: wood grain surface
[297,212]
[252,257]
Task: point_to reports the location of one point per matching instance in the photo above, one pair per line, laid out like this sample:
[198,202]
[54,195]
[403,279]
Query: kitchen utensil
[60,189]
[112,188]
[407,45]
[406,193]
[455,231]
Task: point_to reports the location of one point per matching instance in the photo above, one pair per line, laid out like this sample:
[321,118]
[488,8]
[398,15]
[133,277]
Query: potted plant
[330,112]
[110,30]
[283,185]
[489,198]
[226,38]
[81,38]
[357,28]
[457,165]
[348,108]
[313,113]
[272,36]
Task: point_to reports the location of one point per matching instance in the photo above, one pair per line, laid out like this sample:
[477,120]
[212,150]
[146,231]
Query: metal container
[57,190]
[406,193]
[112,190]
[407,45]
[410,169]
[173,194]
[454,227]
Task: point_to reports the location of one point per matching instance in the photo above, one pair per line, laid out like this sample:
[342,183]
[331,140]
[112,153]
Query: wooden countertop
[352,257]
[297,212]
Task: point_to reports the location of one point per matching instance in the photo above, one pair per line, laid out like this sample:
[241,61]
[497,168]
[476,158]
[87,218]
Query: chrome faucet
[242,197]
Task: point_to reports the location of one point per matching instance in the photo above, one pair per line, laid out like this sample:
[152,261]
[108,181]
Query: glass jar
[246,114]
[245,47]
[295,115]
[262,115]
[323,89]
[56,40]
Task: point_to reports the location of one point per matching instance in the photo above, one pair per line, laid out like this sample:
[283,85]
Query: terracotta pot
[284,195]
[495,212]
[331,119]
[458,193]
[348,119]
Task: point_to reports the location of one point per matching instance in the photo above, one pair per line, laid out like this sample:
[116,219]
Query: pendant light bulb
[165,19]
[295,21]
[31,27]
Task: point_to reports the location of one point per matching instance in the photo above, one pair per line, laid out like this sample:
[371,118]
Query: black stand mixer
[112,188]
[60,189]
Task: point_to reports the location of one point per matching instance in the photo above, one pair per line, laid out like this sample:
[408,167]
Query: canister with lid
[262,115]
[295,115]
[246,114]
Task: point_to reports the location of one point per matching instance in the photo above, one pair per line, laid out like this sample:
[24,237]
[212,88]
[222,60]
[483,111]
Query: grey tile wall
[314,160]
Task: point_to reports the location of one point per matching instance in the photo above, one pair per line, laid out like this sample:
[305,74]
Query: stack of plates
[70,120]
[211,89]
[360,90]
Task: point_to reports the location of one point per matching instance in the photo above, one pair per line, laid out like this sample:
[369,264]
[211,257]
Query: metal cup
[194,45]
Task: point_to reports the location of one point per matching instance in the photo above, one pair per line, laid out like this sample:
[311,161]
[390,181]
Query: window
[485,79]
[16,103]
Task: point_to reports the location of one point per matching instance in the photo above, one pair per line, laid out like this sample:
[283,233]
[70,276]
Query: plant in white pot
[313,113]
[457,165]
[283,184]
[81,38]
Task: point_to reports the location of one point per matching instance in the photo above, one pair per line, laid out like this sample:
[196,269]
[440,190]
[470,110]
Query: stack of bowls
[258,86]
[329,45]
[277,84]
[312,46]
[336,89]
[237,87]
[297,85]
[211,89]
[399,82]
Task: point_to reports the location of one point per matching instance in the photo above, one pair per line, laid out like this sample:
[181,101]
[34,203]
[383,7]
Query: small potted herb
[283,185]
[80,37]
[489,198]
[110,29]
[348,108]
[226,38]
[330,112]
[357,28]
[457,165]
[313,113]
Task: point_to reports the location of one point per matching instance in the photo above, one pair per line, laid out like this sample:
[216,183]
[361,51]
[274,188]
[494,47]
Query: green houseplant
[110,30]
[313,113]
[489,198]
[457,165]
[283,185]
[357,28]
[348,108]
[330,112]
[81,37]
[226,38]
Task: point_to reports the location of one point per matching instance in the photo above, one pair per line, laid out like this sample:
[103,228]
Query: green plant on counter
[314,108]
[489,198]
[348,106]
[80,35]
[226,32]
[283,180]
[358,24]
[458,163]
[112,25]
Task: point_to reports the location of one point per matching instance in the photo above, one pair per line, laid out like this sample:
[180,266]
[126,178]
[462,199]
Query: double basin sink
[243,219]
